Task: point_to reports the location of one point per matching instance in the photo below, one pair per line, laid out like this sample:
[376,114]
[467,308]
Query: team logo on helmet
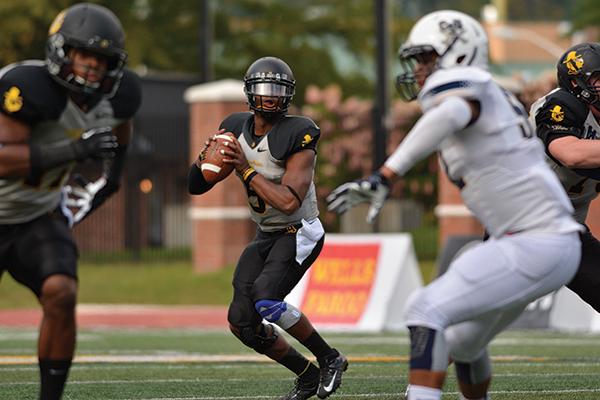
[57,23]
[557,114]
[13,101]
[573,62]
[452,30]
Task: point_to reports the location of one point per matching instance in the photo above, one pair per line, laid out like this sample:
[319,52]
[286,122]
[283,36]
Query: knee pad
[259,338]
[476,371]
[428,349]
[278,312]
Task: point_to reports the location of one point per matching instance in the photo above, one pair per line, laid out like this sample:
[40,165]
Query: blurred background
[343,54]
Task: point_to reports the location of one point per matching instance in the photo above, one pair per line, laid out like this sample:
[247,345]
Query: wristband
[248,174]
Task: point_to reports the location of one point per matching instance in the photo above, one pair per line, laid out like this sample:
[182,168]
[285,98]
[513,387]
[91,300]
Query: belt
[289,230]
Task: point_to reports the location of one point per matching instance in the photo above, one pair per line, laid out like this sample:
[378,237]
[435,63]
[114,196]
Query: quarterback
[274,155]
[489,150]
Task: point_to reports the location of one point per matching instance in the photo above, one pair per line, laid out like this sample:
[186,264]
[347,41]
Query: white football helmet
[456,38]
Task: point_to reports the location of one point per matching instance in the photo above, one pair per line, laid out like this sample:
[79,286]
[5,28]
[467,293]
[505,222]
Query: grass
[146,283]
[169,283]
[182,364]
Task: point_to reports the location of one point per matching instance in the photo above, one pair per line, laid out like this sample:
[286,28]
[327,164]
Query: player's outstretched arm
[423,139]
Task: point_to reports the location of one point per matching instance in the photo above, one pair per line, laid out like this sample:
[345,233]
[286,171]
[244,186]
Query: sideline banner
[359,282]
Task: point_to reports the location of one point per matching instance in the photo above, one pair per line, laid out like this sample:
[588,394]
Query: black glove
[96,143]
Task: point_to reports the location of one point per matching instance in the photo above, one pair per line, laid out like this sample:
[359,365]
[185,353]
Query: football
[213,168]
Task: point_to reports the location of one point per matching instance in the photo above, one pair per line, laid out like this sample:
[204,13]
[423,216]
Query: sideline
[128,316]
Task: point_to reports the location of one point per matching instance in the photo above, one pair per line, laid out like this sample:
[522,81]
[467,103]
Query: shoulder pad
[292,134]
[463,82]
[29,93]
[234,122]
[128,98]
[560,114]
[562,107]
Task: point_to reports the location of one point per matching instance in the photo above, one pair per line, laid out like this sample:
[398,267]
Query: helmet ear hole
[460,59]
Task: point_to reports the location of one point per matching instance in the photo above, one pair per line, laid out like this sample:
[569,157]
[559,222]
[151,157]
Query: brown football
[213,168]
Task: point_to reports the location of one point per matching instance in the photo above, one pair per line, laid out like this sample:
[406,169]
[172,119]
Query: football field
[161,364]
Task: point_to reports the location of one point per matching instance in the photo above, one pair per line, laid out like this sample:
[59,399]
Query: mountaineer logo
[13,101]
[573,62]
[557,114]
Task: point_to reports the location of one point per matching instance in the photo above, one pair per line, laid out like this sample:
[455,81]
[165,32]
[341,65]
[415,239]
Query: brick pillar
[454,217]
[221,225]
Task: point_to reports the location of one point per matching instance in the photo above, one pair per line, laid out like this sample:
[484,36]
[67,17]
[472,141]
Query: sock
[299,365]
[486,397]
[416,392]
[53,375]
[319,347]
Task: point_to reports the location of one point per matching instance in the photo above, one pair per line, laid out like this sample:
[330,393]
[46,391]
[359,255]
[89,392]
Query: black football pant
[586,282]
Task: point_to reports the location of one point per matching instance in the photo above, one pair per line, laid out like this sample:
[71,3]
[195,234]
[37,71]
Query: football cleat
[331,375]
[302,389]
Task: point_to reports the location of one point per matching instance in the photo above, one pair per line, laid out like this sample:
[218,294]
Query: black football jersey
[267,154]
[560,114]
[30,95]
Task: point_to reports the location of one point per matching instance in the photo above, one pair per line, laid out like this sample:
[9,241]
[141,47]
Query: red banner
[340,282]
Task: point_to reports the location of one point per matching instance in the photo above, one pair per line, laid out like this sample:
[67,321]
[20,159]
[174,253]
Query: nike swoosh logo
[329,387]
[261,150]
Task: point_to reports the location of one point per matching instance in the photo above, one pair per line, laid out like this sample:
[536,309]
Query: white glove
[81,196]
[373,189]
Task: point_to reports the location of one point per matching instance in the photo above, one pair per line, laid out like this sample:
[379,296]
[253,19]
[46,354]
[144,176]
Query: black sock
[299,365]
[319,347]
[53,375]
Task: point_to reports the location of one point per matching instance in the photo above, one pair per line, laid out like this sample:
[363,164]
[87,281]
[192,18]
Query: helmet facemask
[269,93]
[416,64]
[60,64]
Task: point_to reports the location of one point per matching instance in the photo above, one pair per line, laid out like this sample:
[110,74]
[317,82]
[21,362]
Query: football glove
[80,197]
[96,143]
[373,189]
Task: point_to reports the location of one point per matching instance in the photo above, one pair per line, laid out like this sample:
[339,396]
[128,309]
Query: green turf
[148,283]
[527,365]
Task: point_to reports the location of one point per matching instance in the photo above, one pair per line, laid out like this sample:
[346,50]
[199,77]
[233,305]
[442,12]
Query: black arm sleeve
[49,156]
[196,182]
[593,173]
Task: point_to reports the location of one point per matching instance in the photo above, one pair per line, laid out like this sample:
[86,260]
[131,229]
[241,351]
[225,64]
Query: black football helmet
[574,69]
[269,85]
[93,28]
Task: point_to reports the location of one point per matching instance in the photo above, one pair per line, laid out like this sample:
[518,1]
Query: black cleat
[302,390]
[331,376]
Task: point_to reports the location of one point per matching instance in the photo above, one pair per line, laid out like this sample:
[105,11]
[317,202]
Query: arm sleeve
[196,182]
[424,138]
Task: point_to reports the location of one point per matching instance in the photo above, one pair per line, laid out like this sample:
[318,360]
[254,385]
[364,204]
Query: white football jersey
[497,161]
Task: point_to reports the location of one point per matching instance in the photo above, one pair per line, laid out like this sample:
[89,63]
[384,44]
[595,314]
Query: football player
[489,150]
[274,155]
[75,106]
[567,121]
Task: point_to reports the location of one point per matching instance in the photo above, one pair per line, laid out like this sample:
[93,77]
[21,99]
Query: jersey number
[255,202]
